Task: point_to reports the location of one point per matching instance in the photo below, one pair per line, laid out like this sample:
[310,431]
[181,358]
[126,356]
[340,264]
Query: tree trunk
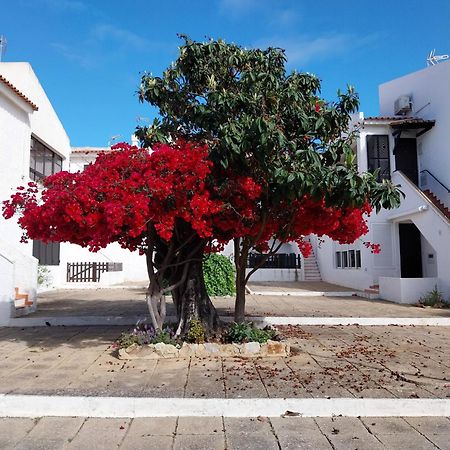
[194,302]
[240,258]
[239,309]
[177,267]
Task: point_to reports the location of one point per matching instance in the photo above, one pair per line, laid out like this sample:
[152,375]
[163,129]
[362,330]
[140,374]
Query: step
[372,291]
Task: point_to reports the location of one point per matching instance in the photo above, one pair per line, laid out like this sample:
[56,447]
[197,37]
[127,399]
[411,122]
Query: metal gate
[86,271]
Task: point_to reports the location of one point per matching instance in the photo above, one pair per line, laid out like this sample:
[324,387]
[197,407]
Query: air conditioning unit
[403,105]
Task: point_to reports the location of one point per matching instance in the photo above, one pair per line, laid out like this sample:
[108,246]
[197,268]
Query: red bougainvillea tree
[168,205]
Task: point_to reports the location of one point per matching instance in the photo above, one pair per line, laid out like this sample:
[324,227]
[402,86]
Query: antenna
[434,59]
[3,43]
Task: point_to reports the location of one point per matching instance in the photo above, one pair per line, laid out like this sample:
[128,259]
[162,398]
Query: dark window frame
[348,259]
[344,260]
[43,160]
[339,260]
[377,146]
[358,259]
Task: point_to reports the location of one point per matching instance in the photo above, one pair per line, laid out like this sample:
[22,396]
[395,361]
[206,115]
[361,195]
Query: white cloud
[284,18]
[58,5]
[75,56]
[123,37]
[238,7]
[303,49]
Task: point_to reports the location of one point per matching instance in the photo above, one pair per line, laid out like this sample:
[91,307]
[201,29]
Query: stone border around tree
[247,350]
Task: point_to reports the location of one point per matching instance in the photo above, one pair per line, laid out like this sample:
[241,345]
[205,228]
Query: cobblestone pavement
[327,361]
[217,433]
[131,302]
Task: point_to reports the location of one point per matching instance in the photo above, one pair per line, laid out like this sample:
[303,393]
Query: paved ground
[301,286]
[131,302]
[340,361]
[190,433]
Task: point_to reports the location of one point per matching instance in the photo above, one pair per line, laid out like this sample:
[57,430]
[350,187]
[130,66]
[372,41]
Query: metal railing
[277,261]
[438,181]
[86,271]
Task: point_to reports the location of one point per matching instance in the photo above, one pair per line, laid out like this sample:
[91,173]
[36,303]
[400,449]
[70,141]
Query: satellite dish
[434,59]
[3,43]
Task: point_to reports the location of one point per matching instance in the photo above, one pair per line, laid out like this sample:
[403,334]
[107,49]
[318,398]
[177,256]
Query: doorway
[405,151]
[410,251]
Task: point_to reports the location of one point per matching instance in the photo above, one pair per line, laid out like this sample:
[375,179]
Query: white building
[33,144]
[409,143]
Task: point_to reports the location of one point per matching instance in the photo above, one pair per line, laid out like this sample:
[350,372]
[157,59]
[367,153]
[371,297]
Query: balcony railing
[277,261]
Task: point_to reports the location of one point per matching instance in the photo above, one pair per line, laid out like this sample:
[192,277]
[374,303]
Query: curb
[68,321]
[111,407]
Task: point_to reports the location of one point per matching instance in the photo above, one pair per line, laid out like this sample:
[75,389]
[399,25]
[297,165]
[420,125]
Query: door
[406,158]
[410,251]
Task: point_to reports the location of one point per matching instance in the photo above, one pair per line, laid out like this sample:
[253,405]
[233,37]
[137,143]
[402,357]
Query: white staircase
[311,268]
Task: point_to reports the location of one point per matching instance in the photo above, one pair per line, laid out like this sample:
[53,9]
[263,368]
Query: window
[47,254]
[378,155]
[350,259]
[358,259]
[338,260]
[43,161]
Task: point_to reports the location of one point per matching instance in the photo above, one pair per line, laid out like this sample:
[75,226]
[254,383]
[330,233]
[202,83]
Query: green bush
[218,272]
[196,332]
[248,332]
[44,276]
[434,298]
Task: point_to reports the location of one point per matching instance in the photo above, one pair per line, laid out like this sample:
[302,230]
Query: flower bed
[208,349]
[243,340]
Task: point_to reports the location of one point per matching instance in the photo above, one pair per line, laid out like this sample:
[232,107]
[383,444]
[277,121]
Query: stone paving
[218,433]
[131,302]
[299,286]
[327,361]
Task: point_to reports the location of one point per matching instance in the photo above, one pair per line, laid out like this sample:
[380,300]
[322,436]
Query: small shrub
[146,334]
[44,276]
[196,333]
[248,332]
[218,272]
[434,298]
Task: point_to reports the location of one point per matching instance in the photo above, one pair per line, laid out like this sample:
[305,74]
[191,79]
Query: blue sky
[89,54]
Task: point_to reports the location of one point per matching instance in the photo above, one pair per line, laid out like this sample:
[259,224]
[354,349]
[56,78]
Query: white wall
[134,265]
[429,258]
[6,288]
[405,290]
[14,157]
[349,277]
[276,275]
[18,122]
